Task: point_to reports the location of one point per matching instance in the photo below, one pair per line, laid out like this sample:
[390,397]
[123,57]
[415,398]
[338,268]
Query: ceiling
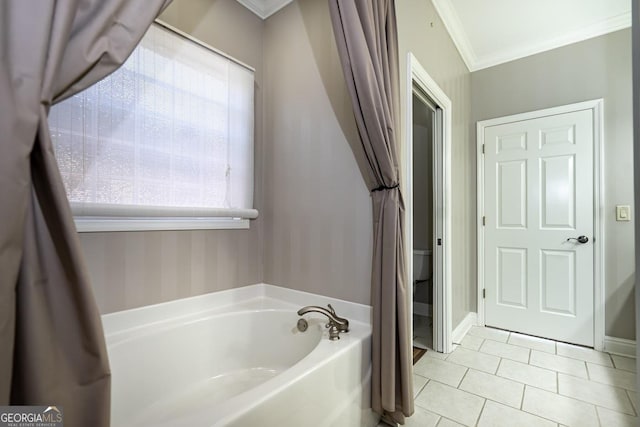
[264,8]
[491,32]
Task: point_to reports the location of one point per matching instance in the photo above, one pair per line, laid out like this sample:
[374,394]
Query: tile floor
[498,378]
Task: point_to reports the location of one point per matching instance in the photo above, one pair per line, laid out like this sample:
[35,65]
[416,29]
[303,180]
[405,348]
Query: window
[165,142]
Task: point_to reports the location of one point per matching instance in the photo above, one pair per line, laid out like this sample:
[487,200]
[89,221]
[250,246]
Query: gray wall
[317,207]
[314,230]
[421,31]
[131,269]
[596,68]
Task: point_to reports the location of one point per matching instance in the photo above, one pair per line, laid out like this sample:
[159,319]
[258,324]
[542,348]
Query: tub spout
[336,323]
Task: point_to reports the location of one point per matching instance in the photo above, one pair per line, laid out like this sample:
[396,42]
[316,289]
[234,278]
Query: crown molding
[460,38]
[598,29]
[264,8]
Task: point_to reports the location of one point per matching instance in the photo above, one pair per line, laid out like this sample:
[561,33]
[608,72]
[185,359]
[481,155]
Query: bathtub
[236,358]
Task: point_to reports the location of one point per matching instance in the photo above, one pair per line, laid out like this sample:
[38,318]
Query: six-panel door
[539,193]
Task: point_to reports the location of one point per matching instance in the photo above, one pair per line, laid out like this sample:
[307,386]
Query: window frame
[95,217]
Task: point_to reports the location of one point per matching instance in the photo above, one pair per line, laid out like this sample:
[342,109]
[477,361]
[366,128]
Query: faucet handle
[331,310]
[334,333]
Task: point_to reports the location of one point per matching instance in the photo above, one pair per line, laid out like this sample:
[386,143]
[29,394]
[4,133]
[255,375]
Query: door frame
[596,106]
[442,301]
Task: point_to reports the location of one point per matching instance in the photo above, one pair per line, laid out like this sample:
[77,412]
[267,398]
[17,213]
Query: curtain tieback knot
[384,187]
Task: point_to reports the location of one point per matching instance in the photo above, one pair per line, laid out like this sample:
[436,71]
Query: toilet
[421,266]
[422,272]
[422,305]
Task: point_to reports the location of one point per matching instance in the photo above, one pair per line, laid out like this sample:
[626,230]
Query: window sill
[86,224]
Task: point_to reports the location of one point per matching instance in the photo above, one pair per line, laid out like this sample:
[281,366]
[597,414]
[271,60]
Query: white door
[538,188]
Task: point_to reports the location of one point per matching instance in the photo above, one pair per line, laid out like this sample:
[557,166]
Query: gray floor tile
[534,343]
[527,374]
[562,364]
[558,408]
[440,370]
[497,415]
[492,387]
[582,353]
[473,359]
[508,351]
[451,403]
[599,394]
[612,376]
[624,363]
[609,418]
[496,378]
[489,333]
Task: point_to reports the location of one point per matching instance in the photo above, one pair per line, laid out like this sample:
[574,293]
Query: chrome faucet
[336,323]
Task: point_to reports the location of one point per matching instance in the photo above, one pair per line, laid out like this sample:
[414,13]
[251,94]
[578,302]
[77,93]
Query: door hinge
[484,293]
[484,220]
[482,148]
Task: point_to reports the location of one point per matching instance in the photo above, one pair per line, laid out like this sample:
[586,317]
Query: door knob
[579,239]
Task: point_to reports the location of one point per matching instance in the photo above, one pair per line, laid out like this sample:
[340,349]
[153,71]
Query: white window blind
[169,134]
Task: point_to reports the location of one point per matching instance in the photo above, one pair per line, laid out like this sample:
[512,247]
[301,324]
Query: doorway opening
[427,158]
[427,132]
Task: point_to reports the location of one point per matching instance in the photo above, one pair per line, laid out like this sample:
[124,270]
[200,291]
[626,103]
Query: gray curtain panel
[53,350]
[367,41]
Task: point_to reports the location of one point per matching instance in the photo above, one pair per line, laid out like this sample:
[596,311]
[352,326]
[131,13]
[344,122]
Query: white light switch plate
[623,213]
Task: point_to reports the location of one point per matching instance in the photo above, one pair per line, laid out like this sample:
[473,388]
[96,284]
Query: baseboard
[463,327]
[620,346]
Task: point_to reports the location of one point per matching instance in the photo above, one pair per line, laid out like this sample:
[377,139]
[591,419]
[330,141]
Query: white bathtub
[236,358]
